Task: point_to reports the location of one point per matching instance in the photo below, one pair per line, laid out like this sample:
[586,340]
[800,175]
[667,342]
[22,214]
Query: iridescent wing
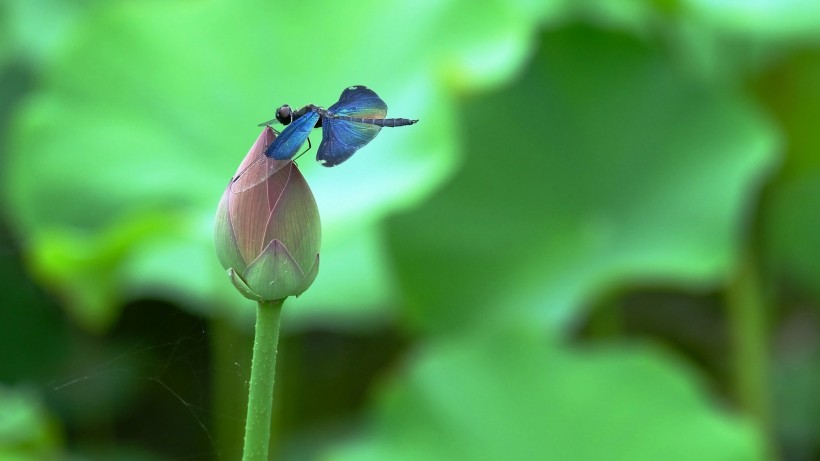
[341,138]
[260,169]
[288,143]
[255,169]
[359,101]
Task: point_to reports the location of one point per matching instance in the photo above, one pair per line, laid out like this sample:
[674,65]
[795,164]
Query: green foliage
[568,155]
[610,168]
[161,101]
[27,432]
[508,396]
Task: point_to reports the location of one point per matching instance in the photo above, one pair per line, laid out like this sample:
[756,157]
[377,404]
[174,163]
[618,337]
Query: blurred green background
[600,242]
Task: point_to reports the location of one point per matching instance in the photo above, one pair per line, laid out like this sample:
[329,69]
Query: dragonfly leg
[303,152]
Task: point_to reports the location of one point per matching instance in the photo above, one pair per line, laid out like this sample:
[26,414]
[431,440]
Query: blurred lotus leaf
[27,432]
[510,396]
[142,112]
[609,168]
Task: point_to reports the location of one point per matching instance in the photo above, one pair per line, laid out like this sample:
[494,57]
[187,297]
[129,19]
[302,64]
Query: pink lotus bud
[267,236]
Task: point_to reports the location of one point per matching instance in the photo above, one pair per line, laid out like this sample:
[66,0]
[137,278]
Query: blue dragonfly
[347,126]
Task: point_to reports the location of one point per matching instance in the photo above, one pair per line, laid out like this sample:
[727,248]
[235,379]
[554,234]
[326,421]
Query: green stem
[263,371]
[748,330]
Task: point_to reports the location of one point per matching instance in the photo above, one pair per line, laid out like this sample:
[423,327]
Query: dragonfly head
[284,115]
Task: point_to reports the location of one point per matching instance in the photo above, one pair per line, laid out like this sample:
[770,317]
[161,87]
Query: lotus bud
[268,232]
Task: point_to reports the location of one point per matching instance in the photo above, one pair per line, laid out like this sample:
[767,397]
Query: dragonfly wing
[342,138]
[288,143]
[260,169]
[359,101]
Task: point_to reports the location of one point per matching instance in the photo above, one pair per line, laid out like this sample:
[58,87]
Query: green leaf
[27,432]
[601,166]
[792,230]
[790,222]
[160,101]
[778,20]
[509,395]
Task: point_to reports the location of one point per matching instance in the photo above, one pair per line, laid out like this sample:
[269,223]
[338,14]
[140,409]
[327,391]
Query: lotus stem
[263,372]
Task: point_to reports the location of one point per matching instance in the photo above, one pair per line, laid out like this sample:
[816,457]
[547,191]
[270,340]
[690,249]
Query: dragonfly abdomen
[391,122]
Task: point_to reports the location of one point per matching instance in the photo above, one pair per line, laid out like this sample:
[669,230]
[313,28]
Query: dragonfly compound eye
[284,114]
